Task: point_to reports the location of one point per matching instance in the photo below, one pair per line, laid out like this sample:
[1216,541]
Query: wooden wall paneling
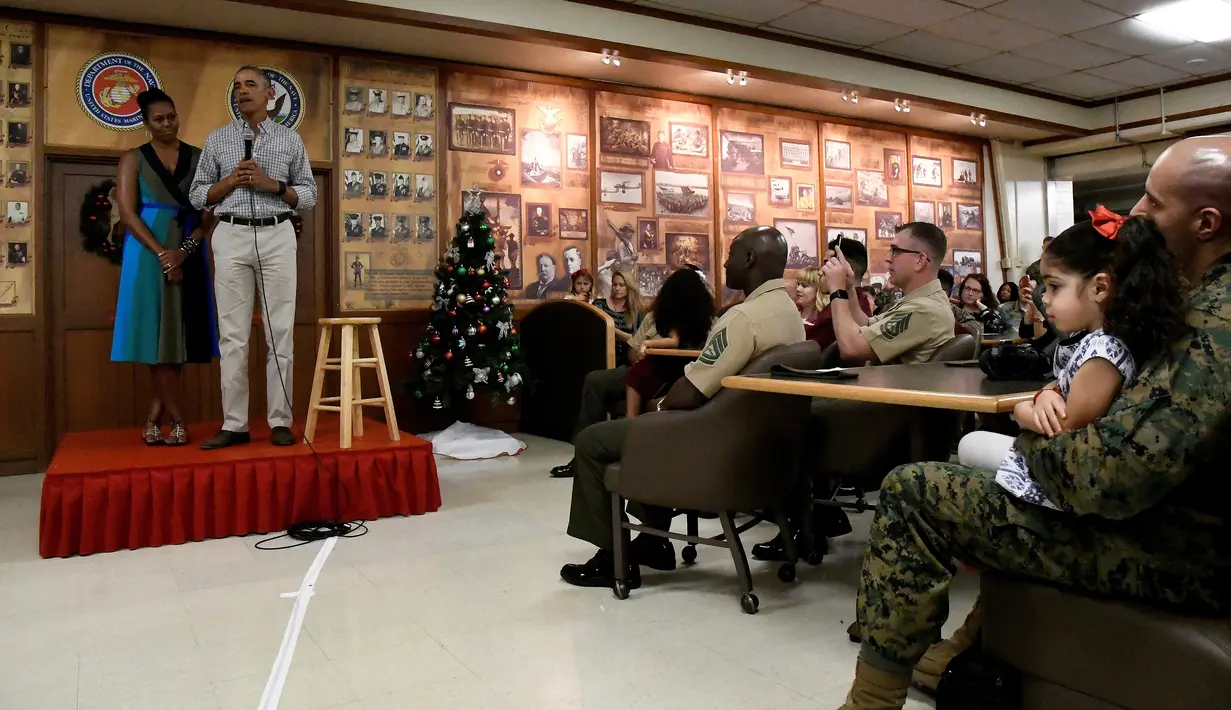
[22,392]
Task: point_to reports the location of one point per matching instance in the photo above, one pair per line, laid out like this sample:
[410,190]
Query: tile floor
[462,608]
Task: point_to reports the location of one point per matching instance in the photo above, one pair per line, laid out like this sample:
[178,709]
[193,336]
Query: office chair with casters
[742,456]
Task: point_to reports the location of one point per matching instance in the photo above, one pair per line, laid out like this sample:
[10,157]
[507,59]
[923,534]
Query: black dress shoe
[775,551]
[282,436]
[653,552]
[565,471]
[225,438]
[599,572]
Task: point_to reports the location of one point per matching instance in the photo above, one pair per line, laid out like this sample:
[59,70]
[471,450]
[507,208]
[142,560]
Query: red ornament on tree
[482,329]
[486,285]
[449,355]
[435,338]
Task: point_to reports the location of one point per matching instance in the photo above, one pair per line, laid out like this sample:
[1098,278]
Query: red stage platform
[107,490]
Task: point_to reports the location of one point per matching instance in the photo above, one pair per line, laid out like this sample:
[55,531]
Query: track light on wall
[902,105]
[611,56]
[731,76]
[982,120]
[851,96]
[743,78]
[978,120]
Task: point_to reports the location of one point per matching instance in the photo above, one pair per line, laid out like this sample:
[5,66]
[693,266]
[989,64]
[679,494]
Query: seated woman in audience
[809,298]
[684,310]
[1017,311]
[1008,293]
[1113,283]
[624,307]
[978,301]
[583,286]
[813,302]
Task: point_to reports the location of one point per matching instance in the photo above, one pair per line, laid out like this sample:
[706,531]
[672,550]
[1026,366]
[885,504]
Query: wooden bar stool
[350,402]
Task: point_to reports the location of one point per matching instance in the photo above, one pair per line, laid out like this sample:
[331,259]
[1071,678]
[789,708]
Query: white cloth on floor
[470,442]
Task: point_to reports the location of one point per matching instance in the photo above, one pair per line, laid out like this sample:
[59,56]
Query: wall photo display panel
[656,189]
[527,146]
[781,191]
[388,221]
[866,191]
[18,245]
[949,175]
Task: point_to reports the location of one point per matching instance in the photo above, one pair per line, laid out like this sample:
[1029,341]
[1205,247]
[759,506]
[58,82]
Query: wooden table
[933,385]
[996,342]
[674,352]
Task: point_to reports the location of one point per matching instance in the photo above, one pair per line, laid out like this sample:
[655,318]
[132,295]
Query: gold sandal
[178,435]
[151,436]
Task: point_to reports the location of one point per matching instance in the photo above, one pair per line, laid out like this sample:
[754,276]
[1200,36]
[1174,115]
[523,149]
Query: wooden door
[90,391]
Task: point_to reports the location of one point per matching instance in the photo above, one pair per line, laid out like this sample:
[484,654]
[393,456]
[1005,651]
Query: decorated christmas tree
[470,344]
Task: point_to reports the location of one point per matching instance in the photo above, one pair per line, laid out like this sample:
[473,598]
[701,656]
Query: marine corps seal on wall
[108,85]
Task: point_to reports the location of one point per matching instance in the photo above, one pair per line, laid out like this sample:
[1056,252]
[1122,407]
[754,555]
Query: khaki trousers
[238,277]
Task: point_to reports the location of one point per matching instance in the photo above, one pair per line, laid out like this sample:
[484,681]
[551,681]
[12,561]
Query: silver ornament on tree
[512,401]
[504,329]
[437,404]
[473,205]
[480,375]
[514,381]
[467,362]
[461,343]
[472,331]
[419,353]
[470,243]
[469,392]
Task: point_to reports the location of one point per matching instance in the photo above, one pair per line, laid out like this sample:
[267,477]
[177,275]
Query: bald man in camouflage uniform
[1146,502]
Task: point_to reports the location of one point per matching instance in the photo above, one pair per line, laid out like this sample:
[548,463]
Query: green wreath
[101,235]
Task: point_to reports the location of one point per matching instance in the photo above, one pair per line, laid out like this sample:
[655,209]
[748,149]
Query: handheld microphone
[249,136]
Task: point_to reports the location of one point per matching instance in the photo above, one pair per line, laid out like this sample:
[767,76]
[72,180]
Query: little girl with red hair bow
[1113,285]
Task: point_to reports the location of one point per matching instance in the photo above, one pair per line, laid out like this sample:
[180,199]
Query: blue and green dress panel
[158,322]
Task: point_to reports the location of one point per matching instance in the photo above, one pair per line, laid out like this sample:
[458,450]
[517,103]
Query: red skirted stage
[107,490]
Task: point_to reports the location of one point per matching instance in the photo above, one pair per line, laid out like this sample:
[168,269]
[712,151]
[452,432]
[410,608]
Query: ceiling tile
[1132,37]
[933,49]
[1008,67]
[1081,85]
[1059,16]
[991,31]
[1132,7]
[846,27]
[1071,53]
[1216,60]
[758,12]
[1138,72]
[916,13]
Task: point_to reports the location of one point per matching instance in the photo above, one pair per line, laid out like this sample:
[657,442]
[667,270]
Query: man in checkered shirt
[254,248]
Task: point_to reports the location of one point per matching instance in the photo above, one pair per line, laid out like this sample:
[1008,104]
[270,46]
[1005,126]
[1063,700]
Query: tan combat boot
[875,689]
[929,668]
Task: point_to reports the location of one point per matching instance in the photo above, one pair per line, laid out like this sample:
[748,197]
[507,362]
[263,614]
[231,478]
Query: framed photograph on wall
[378,102]
[378,226]
[946,215]
[425,107]
[541,159]
[795,154]
[742,153]
[353,183]
[837,155]
[741,208]
[805,197]
[969,216]
[925,211]
[682,194]
[538,220]
[690,139]
[780,191]
[482,129]
[895,166]
[834,233]
[400,109]
[578,147]
[378,185]
[402,189]
[354,101]
[401,146]
[425,228]
[887,224]
[650,280]
[684,249]
[871,190]
[574,223]
[966,263]
[619,188]
[378,144]
[352,226]
[357,263]
[840,198]
[402,229]
[425,188]
[801,240]
[624,136]
[926,172]
[352,141]
[647,235]
[965,172]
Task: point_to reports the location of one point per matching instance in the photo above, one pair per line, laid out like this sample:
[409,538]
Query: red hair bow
[1106,222]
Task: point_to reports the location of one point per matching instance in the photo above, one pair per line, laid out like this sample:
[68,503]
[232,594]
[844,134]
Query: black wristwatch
[840,293]
[281,189]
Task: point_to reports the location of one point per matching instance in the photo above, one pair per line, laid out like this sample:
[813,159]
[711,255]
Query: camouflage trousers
[932,517]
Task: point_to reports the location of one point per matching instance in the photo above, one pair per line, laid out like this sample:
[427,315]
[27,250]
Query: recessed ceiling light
[1202,20]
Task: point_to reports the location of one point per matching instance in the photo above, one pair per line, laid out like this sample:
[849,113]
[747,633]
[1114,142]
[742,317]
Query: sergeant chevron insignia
[897,324]
[715,348]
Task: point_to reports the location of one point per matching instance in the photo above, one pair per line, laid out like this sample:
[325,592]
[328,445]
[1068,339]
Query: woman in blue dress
[164,316]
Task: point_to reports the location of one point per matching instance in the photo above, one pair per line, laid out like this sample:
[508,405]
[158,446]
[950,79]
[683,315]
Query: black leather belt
[261,222]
